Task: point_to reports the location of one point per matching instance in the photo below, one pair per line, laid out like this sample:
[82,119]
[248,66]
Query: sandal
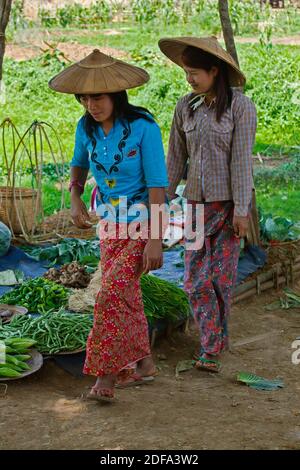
[104,395]
[210,365]
[133,380]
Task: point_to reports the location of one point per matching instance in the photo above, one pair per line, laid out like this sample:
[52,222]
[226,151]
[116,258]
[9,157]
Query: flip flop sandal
[210,365]
[102,395]
[133,380]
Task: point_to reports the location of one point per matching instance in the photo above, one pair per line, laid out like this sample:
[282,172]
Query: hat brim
[118,76]
[173,48]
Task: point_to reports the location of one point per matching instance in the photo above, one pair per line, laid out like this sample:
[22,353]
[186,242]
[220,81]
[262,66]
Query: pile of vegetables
[290,299]
[86,252]
[16,357]
[69,275]
[52,332]
[61,331]
[38,295]
[162,299]
[5,239]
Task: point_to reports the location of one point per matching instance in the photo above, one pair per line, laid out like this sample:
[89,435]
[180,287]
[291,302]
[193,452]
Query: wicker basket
[18,208]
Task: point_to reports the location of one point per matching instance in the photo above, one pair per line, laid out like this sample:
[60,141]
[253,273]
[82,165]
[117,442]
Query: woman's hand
[240,226]
[153,256]
[79,213]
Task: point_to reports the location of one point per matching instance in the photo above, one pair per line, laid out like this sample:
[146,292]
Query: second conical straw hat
[174,47]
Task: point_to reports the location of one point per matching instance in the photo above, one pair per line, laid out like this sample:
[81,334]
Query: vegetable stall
[50,325]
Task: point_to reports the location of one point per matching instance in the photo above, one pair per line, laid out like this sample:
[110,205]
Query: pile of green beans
[53,332]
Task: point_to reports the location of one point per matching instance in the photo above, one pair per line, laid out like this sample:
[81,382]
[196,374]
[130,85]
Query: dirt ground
[197,411]
[27,45]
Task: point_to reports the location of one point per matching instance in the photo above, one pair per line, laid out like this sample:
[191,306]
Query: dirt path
[28,44]
[199,411]
[285,41]
[72,50]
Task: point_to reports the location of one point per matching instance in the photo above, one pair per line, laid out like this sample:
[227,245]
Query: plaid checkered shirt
[219,153]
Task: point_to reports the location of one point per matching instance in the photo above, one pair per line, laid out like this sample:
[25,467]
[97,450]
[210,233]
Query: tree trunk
[227,29]
[253,235]
[5,7]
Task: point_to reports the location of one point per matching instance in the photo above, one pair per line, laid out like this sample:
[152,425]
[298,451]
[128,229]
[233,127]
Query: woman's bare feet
[103,388]
[146,367]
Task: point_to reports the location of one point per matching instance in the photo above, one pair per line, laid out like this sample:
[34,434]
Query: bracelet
[78,184]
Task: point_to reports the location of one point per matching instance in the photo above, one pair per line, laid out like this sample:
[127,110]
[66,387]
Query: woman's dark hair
[122,109]
[199,59]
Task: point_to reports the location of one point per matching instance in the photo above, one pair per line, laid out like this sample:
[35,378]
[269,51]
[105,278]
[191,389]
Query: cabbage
[5,239]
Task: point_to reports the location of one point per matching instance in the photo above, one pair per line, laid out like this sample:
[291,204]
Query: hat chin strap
[199,99]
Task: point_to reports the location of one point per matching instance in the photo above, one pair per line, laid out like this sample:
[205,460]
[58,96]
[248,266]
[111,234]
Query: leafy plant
[17,18]
[277,228]
[259,383]
[86,252]
[77,15]
[291,299]
[248,16]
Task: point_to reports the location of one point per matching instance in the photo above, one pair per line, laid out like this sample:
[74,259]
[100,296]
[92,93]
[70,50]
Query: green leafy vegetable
[259,383]
[86,252]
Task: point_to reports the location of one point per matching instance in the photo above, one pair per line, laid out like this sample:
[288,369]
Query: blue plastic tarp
[254,258]
[15,259]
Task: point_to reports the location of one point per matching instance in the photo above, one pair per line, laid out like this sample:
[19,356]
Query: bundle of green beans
[53,332]
[39,295]
[162,299]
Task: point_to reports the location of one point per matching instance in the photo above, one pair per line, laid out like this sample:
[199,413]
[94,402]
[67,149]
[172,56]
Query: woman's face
[200,80]
[100,107]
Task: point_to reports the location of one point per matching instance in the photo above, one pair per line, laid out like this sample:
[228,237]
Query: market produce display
[16,356]
[162,299]
[70,275]
[37,295]
[61,331]
[5,239]
[7,312]
[53,332]
[86,252]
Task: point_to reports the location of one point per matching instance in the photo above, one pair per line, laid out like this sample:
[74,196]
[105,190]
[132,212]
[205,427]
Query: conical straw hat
[98,73]
[174,47]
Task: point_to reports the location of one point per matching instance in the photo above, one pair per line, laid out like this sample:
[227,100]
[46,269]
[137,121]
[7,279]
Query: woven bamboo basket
[18,208]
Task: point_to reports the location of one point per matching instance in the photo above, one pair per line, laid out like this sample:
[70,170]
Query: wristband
[78,184]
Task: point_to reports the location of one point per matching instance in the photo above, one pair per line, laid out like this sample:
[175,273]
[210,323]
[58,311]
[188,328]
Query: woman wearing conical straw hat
[214,130]
[121,144]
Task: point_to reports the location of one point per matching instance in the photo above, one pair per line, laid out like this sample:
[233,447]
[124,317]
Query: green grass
[278,188]
[273,83]
[280,200]
[51,197]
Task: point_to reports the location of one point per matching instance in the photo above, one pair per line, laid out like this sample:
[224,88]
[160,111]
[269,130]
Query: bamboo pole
[267,281]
